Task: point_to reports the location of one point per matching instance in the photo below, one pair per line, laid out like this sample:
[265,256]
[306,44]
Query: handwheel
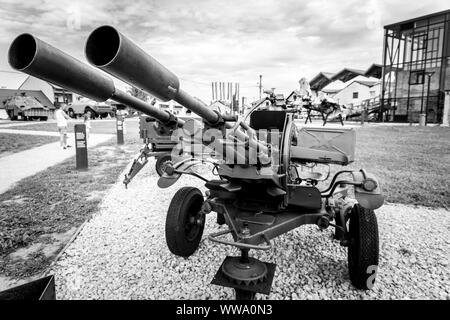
[162,162]
[184,222]
[363,247]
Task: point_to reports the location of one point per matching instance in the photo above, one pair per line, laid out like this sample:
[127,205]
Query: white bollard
[446,112]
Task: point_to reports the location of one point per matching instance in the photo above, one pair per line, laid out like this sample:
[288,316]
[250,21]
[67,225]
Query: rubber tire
[185,201]
[363,250]
[71,113]
[160,161]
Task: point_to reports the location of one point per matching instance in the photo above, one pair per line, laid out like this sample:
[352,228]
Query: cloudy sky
[232,41]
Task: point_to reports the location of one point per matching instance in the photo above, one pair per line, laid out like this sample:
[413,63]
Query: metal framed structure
[416,68]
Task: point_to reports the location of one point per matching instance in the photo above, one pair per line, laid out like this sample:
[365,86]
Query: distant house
[15,83]
[348,86]
[293,96]
[357,91]
[331,92]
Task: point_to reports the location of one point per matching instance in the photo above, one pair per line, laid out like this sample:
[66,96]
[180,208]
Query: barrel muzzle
[107,49]
[41,60]
[37,58]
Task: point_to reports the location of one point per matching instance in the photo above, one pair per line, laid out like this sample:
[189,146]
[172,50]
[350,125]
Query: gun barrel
[38,58]
[109,50]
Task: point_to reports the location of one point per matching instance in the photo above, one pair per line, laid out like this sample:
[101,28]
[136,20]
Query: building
[356,92]
[416,68]
[14,83]
[349,87]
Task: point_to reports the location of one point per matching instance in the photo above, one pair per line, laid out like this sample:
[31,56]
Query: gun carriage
[264,187]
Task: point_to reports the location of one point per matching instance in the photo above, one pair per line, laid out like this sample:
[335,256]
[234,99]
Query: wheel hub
[250,272]
[166,164]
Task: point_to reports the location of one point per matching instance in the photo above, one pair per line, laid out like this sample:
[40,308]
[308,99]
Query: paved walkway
[18,166]
[30,132]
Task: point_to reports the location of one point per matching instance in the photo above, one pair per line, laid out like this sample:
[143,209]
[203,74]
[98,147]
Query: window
[417,77]
[355,95]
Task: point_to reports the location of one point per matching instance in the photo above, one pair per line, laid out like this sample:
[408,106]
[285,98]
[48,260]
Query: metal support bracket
[214,237]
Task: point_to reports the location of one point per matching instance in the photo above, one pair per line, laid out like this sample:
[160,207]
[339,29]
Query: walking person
[61,122]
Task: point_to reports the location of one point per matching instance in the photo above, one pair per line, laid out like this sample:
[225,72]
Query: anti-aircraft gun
[262,190]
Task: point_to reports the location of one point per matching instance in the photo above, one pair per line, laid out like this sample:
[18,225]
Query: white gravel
[121,254]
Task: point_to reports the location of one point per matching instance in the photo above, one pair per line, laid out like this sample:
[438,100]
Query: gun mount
[267,182]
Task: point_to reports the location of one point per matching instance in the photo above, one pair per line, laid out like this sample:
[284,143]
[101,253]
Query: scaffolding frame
[419,46]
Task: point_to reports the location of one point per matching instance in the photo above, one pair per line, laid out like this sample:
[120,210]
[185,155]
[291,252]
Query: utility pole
[260,86]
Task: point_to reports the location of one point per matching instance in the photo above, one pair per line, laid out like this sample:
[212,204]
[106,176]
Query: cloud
[204,41]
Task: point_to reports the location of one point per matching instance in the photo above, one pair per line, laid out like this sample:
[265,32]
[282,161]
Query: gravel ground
[121,254]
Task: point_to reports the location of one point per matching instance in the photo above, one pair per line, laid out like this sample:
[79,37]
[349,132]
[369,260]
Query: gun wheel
[363,247]
[184,222]
[162,162]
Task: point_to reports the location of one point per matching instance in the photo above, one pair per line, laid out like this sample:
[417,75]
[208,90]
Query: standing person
[87,122]
[61,122]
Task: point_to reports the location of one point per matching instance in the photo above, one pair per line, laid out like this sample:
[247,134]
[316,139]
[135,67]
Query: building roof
[367,83]
[363,82]
[428,16]
[296,92]
[12,80]
[331,90]
[347,74]
[321,80]
[375,71]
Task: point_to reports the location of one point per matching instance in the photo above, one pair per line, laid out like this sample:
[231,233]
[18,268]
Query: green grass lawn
[44,210]
[100,126]
[412,163]
[12,143]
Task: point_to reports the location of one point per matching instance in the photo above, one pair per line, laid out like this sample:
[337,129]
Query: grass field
[41,212]
[100,126]
[12,143]
[412,163]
